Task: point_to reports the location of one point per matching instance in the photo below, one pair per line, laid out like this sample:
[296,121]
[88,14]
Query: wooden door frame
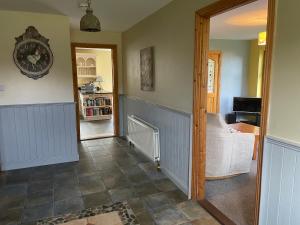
[219,53]
[202,25]
[114,53]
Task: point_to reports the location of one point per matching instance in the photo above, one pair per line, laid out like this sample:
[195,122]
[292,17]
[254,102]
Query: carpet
[116,214]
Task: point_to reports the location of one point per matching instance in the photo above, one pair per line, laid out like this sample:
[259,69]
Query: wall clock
[32,54]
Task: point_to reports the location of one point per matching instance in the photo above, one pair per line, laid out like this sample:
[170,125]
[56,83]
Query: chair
[228,152]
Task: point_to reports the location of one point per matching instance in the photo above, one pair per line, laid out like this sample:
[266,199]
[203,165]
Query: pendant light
[89,22]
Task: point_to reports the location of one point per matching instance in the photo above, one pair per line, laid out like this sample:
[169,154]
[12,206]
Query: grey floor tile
[12,196]
[96,199]
[115,180]
[176,196]
[66,192]
[157,200]
[85,168]
[151,171]
[126,161]
[35,213]
[65,179]
[65,167]
[204,221]
[10,217]
[2,180]
[165,185]
[170,216]
[122,142]
[39,186]
[144,218]
[103,159]
[39,198]
[99,153]
[192,210]
[43,173]
[121,194]
[91,184]
[145,189]
[68,206]
[108,171]
[18,176]
[109,165]
[135,175]
[14,190]
[137,205]
[29,223]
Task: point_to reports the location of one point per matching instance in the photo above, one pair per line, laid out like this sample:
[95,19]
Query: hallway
[109,171]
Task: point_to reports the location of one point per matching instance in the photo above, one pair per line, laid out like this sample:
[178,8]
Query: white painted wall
[57,85]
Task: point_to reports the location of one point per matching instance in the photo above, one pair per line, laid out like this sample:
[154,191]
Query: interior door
[213,82]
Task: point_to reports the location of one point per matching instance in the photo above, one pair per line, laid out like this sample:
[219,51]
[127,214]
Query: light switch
[2,88]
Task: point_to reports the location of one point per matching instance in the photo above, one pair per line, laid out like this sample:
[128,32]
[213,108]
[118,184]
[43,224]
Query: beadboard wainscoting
[175,142]
[280,201]
[36,135]
[121,114]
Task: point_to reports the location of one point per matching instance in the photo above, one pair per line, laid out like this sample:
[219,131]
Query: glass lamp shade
[99,79]
[89,22]
[262,38]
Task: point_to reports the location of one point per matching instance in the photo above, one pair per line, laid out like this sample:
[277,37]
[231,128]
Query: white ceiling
[114,15]
[243,23]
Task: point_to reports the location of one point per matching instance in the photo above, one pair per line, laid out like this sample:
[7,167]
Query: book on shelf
[97,102]
[98,111]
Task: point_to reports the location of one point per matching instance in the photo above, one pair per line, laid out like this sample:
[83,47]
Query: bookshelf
[96,106]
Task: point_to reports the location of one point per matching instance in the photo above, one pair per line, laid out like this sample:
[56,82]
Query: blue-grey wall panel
[280,201]
[174,128]
[35,135]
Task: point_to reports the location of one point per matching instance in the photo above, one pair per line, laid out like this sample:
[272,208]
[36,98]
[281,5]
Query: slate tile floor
[108,171]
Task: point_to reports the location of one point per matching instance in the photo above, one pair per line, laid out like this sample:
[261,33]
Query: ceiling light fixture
[89,22]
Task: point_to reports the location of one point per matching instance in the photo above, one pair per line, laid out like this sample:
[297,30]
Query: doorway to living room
[206,170]
[95,90]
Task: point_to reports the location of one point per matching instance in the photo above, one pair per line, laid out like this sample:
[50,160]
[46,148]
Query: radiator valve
[158,165]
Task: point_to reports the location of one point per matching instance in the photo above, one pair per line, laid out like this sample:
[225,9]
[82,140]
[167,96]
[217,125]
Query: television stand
[239,114]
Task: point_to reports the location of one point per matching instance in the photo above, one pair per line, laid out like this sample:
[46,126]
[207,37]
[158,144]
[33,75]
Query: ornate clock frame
[32,35]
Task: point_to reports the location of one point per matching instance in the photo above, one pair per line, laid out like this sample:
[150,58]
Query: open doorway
[232,129]
[95,90]
[220,177]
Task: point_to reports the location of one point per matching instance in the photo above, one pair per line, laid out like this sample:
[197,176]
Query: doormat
[116,214]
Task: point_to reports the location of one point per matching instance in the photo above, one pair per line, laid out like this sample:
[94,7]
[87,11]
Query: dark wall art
[147,69]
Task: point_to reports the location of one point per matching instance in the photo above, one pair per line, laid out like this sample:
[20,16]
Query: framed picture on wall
[147,69]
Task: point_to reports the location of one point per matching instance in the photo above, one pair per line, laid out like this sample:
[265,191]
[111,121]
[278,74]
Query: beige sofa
[228,152]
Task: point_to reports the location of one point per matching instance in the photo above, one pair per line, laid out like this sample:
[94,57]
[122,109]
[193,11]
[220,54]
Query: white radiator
[145,137]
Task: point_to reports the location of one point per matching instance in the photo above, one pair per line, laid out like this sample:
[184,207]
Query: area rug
[116,214]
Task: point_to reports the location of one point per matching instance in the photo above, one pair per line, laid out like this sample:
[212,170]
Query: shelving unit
[86,65]
[97,106]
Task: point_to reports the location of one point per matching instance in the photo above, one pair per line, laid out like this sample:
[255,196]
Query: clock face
[33,57]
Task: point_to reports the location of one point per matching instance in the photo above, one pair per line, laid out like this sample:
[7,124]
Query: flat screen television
[241,104]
